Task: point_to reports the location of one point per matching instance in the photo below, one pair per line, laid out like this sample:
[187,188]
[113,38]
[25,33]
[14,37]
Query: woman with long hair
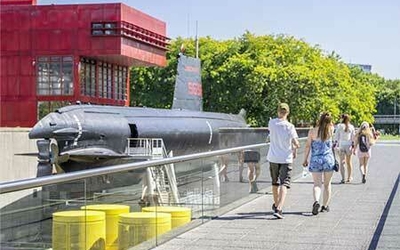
[363,141]
[344,141]
[322,162]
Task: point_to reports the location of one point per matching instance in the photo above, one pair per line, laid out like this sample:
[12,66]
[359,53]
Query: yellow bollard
[137,227]
[179,215]
[79,230]
[112,211]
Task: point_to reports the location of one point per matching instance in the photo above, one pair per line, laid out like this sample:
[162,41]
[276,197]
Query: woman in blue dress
[322,161]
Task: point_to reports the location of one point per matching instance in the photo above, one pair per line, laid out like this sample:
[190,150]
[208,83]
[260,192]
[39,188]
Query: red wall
[30,31]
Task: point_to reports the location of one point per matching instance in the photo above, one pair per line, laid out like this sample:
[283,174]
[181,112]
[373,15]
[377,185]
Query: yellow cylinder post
[112,211]
[78,230]
[137,227]
[179,215]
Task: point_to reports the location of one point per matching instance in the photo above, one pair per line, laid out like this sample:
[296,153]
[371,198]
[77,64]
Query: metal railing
[7,187]
[149,147]
[387,119]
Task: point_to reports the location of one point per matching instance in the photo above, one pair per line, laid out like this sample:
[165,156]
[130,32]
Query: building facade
[53,55]
[364,67]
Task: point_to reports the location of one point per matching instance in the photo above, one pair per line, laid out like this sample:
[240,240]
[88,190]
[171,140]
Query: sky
[361,32]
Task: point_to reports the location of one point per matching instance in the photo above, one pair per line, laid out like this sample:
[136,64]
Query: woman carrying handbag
[322,161]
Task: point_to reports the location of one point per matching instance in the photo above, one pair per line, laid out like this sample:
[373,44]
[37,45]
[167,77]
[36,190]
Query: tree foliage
[388,97]
[257,72]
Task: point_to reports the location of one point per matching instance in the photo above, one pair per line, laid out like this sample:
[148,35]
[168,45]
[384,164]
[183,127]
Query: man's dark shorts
[281,172]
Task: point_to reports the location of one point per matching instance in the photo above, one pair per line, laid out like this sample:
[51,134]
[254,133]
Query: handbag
[336,166]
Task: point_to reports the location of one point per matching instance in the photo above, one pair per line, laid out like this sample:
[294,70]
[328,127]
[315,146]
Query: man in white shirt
[282,151]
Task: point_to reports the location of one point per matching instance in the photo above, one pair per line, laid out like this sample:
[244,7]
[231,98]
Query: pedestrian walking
[252,159]
[241,165]
[321,164]
[223,171]
[282,151]
[344,137]
[362,145]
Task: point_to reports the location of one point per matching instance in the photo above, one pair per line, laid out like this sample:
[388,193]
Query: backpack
[362,141]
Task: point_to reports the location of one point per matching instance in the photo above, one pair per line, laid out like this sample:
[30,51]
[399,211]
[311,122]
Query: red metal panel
[113,44]
[69,18]
[9,41]
[66,38]
[40,40]
[27,65]
[84,17]
[55,40]
[83,40]
[11,86]
[27,86]
[54,17]
[20,113]
[6,113]
[146,56]
[8,17]
[98,44]
[3,110]
[25,43]
[17,2]
[111,12]
[13,66]
[4,87]
[24,20]
[3,66]
[143,20]
[97,14]
[38,17]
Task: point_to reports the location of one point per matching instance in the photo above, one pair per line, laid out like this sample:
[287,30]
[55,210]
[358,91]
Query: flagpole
[197,41]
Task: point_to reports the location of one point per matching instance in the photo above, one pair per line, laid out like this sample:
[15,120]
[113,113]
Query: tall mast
[197,41]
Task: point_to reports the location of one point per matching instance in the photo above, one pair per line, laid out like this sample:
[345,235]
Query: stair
[162,180]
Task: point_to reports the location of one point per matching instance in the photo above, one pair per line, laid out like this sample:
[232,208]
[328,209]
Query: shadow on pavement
[377,234]
[257,215]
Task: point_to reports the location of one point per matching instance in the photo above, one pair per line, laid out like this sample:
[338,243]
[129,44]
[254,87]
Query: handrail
[386,116]
[12,186]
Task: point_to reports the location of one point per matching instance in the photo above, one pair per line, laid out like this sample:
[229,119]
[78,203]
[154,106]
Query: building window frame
[103,80]
[55,75]
[88,77]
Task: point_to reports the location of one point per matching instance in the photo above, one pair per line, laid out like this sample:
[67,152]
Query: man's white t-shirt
[282,132]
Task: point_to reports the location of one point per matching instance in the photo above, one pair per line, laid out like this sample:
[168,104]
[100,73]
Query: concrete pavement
[362,216]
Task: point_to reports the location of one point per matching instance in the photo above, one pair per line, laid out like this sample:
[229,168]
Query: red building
[58,54]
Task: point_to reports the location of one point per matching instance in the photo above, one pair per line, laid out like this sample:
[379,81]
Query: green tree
[388,97]
[257,72]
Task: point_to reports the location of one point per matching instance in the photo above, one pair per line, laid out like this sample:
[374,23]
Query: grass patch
[389,137]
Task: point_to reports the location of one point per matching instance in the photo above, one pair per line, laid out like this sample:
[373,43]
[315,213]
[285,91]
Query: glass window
[116,83]
[67,78]
[99,29]
[124,80]
[54,75]
[120,83]
[88,77]
[97,25]
[109,81]
[100,79]
[104,80]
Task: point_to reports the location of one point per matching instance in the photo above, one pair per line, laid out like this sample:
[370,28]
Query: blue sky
[364,32]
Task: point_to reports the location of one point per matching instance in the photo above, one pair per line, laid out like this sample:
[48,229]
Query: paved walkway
[362,216]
